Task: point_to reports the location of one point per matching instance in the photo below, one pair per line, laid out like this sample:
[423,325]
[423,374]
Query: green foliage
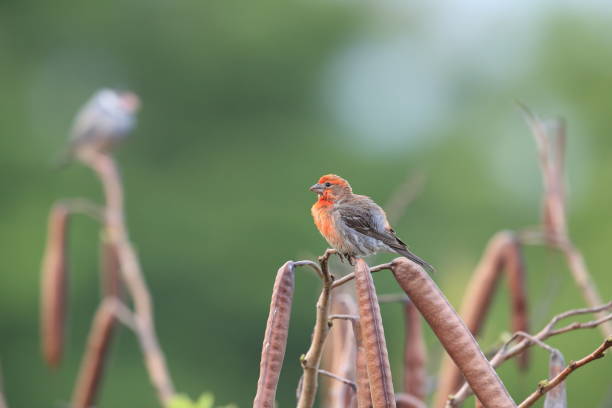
[206,400]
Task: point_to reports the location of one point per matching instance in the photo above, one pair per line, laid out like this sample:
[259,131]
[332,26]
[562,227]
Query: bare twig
[345,381]
[312,359]
[547,385]
[456,339]
[351,275]
[106,169]
[275,338]
[506,352]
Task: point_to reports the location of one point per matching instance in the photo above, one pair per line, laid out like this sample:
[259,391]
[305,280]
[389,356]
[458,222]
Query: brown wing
[363,220]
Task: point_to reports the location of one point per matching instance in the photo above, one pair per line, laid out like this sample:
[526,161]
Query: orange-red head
[331,187]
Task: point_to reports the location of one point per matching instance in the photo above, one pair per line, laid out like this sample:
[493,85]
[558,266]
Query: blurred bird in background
[102,122]
[354,224]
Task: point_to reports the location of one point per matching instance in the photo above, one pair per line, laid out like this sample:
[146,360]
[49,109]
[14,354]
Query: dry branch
[54,282]
[275,338]
[373,338]
[506,352]
[106,169]
[503,253]
[550,139]
[92,366]
[312,359]
[452,333]
[547,385]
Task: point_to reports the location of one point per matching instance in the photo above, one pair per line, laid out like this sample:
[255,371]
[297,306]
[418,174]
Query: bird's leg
[351,259]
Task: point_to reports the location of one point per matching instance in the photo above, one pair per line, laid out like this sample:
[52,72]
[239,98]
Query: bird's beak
[317,188]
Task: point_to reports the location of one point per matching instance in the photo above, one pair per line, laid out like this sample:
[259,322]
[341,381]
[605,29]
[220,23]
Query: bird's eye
[328,184]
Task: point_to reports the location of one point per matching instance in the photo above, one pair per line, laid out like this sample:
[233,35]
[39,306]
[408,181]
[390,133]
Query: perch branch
[351,276]
[312,359]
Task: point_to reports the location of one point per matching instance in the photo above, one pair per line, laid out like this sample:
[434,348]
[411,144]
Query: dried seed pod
[502,253]
[373,337]
[364,396]
[456,339]
[92,366]
[110,269]
[515,271]
[556,397]
[54,285]
[415,355]
[339,353]
[275,338]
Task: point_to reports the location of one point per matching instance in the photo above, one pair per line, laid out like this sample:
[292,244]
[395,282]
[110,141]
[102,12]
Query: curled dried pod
[373,338]
[96,352]
[54,285]
[275,338]
[556,397]
[454,336]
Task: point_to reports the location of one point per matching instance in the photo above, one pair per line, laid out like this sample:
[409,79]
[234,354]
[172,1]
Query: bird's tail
[416,259]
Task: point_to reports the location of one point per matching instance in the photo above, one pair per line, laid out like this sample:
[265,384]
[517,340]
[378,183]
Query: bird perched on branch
[102,122]
[354,224]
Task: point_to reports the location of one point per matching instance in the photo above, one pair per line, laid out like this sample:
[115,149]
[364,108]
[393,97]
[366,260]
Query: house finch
[354,224]
[103,121]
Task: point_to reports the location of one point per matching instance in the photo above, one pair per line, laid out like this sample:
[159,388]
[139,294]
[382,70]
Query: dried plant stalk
[92,366]
[275,338]
[557,397]
[415,355]
[502,253]
[339,353]
[373,337]
[54,285]
[452,333]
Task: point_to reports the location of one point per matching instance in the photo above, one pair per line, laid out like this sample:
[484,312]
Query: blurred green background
[245,105]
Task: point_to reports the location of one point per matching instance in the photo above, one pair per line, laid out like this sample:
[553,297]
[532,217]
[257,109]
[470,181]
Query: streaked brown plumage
[354,224]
